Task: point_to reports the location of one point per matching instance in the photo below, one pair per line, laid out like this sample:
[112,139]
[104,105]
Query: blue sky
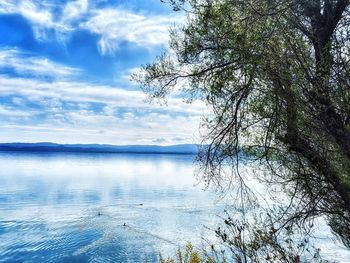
[64,73]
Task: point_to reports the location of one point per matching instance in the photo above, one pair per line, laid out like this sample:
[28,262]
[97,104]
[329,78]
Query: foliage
[251,243]
[258,247]
[275,74]
[190,255]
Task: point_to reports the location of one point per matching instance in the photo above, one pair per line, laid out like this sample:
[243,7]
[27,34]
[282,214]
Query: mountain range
[99,148]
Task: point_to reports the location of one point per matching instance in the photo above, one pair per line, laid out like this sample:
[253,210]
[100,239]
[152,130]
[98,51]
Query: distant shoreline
[183,149]
[103,152]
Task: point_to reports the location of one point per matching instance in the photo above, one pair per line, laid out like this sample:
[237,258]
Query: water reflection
[99,207]
[108,208]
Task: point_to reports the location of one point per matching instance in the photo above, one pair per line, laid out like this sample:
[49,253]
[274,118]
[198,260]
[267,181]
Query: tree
[275,74]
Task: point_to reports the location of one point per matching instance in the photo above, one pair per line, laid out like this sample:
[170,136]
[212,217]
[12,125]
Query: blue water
[68,207]
[100,207]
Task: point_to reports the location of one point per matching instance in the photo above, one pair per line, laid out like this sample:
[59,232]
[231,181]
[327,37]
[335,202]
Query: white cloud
[10,112]
[37,13]
[80,92]
[116,25]
[112,24]
[45,104]
[41,16]
[82,123]
[8,6]
[87,127]
[37,66]
[74,10]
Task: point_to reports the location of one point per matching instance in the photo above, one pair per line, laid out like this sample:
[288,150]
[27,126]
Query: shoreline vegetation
[190,255]
[275,78]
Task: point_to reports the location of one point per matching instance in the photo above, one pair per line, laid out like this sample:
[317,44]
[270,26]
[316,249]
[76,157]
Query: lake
[99,207]
[65,207]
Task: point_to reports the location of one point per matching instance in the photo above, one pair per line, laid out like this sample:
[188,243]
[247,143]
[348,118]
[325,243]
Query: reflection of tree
[276,76]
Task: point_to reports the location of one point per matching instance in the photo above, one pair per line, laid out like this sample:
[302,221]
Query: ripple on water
[72,208]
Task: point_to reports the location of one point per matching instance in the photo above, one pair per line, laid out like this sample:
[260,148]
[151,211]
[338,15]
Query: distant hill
[99,148]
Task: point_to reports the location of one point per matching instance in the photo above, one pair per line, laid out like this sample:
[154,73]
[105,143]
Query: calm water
[73,207]
[108,208]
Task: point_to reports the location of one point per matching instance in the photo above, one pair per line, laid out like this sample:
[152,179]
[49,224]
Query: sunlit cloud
[86,92]
[113,24]
[24,64]
[10,112]
[37,13]
[43,19]
[117,25]
[42,99]
[73,10]
[68,114]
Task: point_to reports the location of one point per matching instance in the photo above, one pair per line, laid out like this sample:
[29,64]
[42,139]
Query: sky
[65,73]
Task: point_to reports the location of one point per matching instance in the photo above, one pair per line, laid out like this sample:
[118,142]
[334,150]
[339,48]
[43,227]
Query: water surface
[65,207]
[99,207]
